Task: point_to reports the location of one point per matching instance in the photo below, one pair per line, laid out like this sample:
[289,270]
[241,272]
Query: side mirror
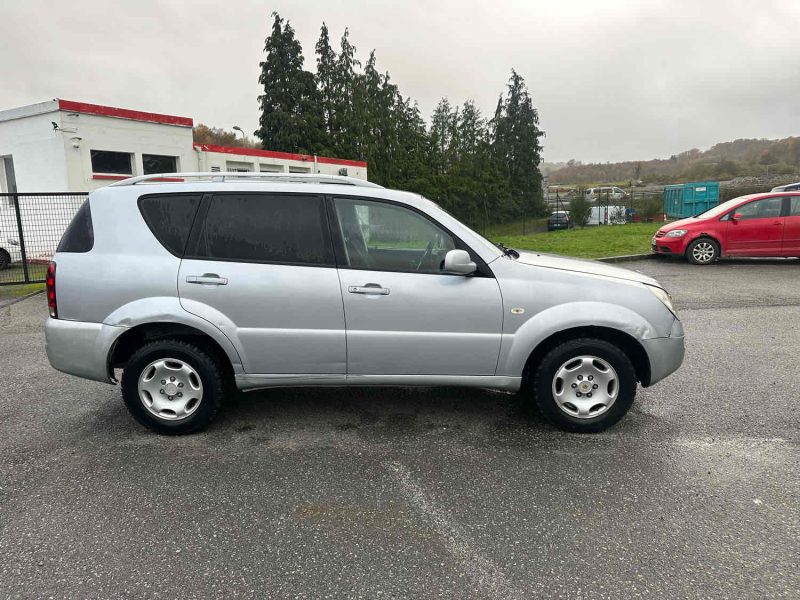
[458,262]
[736,216]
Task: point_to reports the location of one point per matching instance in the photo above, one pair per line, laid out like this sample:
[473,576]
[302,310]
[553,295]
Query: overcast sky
[613,80]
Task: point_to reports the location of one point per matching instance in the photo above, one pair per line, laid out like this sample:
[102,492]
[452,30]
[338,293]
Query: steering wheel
[428,251]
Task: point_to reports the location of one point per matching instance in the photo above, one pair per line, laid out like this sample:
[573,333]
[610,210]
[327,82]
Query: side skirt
[497,382]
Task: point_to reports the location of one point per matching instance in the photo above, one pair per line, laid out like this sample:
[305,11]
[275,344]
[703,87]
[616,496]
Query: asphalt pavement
[409,493]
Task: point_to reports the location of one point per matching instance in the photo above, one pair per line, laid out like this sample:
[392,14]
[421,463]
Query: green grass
[16,291]
[592,242]
[513,228]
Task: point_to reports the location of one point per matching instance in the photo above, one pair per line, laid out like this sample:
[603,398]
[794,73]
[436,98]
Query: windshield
[721,209]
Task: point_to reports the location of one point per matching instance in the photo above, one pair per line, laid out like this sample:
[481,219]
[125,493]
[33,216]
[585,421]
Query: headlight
[662,295]
[677,233]
[13,242]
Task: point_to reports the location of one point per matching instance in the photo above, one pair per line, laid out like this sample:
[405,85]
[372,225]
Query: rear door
[759,230]
[405,316]
[791,228]
[260,266]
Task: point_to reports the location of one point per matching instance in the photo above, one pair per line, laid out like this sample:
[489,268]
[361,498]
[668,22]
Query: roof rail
[217,176]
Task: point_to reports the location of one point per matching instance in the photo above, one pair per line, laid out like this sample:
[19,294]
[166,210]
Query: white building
[66,146]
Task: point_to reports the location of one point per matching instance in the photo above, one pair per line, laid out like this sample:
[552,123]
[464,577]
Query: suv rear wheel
[172,387]
[584,385]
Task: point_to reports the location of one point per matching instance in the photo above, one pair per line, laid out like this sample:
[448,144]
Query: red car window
[761,209]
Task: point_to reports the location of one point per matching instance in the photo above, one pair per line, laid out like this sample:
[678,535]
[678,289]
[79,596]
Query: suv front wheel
[584,385]
[172,387]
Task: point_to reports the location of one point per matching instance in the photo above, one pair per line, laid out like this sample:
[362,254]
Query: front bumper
[80,349]
[669,245]
[665,354]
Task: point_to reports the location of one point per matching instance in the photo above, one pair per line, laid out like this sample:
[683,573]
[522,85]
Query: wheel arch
[704,234]
[624,341]
[135,337]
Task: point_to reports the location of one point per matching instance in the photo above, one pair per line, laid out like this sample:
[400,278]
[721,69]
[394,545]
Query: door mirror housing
[459,262]
[736,216]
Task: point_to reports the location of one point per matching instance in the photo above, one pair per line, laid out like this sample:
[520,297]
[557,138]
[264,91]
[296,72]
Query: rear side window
[170,217]
[268,228]
[79,236]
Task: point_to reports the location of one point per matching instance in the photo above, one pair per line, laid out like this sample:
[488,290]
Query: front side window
[386,237]
[157,163]
[794,206]
[116,163]
[268,228]
[761,209]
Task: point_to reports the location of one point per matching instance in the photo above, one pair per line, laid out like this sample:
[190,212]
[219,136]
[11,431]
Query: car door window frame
[202,214]
[482,270]
[783,211]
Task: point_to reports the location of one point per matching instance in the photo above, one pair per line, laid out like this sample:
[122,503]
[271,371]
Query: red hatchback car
[755,225]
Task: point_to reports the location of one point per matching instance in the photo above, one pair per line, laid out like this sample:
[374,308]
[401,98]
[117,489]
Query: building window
[299,169]
[271,168]
[105,161]
[238,167]
[155,163]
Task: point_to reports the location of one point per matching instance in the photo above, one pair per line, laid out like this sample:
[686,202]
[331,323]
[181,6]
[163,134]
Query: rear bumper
[80,349]
[665,354]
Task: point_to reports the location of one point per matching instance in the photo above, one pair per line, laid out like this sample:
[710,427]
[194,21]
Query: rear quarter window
[170,217]
[79,236]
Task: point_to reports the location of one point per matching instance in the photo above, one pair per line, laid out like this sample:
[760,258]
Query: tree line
[480,169]
[727,160]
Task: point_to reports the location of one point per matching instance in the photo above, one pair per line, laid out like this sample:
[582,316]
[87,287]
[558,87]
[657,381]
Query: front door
[791,228]
[261,268]
[759,229]
[404,315]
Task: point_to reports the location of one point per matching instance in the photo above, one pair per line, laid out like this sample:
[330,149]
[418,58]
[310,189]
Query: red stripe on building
[121,177]
[123,113]
[281,155]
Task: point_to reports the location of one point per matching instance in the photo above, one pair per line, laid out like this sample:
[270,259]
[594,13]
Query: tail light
[51,290]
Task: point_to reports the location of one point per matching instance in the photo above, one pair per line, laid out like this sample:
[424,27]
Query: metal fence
[31,226]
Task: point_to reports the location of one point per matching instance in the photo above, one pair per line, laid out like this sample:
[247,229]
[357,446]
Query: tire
[702,251]
[192,368]
[5,259]
[598,363]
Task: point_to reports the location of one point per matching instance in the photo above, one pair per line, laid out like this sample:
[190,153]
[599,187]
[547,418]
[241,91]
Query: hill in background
[728,160]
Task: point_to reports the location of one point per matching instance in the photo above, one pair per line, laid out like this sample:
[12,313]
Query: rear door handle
[207,279]
[369,288]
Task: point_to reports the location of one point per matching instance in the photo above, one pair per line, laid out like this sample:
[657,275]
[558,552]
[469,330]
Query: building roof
[282,155]
[86,108]
[122,113]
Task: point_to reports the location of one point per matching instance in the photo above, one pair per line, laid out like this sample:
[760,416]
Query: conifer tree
[291,116]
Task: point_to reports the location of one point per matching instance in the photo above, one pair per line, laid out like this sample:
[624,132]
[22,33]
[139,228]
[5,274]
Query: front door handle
[369,288]
[207,279]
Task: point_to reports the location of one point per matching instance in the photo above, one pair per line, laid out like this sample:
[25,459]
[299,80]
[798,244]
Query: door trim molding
[246,382]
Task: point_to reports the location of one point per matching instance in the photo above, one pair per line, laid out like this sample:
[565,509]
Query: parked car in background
[755,225]
[9,239]
[257,281]
[559,220]
[791,187]
[605,193]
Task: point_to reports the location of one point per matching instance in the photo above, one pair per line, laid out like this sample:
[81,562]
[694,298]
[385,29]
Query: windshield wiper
[507,251]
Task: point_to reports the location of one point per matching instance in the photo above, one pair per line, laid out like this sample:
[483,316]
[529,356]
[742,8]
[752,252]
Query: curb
[629,257]
[5,303]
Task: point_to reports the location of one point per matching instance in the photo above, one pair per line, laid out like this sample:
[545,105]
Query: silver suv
[226,281]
